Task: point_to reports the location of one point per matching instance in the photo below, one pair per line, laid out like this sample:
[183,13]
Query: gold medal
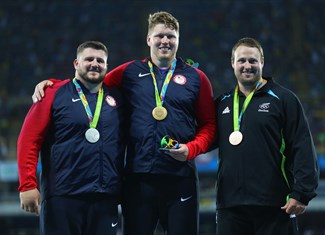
[235,137]
[159,113]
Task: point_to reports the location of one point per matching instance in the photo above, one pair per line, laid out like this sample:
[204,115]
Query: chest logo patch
[110,101]
[264,107]
[179,79]
[226,110]
[143,74]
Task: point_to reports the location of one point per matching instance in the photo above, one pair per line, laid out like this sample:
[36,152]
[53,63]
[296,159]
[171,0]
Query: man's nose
[247,64]
[165,39]
[94,62]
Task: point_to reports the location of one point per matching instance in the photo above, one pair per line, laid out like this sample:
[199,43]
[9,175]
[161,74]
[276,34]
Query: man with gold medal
[160,112]
[165,96]
[268,170]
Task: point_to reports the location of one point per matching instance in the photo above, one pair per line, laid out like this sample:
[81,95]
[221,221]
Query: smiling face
[91,65]
[247,63]
[163,42]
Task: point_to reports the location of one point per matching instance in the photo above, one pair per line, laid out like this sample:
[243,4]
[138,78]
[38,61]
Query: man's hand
[39,90]
[179,154]
[30,201]
[294,207]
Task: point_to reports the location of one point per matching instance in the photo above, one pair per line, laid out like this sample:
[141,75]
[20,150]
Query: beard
[93,80]
[93,76]
[249,77]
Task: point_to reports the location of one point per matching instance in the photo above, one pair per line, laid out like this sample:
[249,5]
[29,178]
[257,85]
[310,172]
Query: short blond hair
[163,17]
[249,42]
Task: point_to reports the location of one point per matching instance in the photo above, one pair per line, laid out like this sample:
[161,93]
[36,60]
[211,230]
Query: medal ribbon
[236,116]
[93,120]
[160,98]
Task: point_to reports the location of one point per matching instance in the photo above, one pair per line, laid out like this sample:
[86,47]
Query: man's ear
[262,62]
[232,63]
[148,40]
[75,63]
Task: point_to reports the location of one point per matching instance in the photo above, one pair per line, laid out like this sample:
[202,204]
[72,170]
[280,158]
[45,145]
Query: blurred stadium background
[39,40]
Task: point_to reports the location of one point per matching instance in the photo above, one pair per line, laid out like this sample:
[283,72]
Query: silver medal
[92,135]
[235,137]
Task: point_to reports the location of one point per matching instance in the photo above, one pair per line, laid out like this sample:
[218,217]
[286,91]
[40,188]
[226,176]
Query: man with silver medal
[165,96]
[81,169]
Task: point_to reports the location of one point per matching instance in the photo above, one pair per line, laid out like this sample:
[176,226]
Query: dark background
[39,41]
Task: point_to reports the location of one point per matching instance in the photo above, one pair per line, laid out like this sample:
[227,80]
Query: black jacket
[276,157]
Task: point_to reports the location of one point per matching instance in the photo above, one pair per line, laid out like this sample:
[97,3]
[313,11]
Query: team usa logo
[110,101]
[179,79]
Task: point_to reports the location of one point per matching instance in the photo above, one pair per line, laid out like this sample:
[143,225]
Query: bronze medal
[235,138]
[159,113]
[92,135]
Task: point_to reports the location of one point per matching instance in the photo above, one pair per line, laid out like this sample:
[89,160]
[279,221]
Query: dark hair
[92,44]
[165,18]
[249,42]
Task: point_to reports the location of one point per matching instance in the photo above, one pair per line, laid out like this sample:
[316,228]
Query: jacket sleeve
[114,77]
[206,120]
[300,151]
[31,137]
[54,80]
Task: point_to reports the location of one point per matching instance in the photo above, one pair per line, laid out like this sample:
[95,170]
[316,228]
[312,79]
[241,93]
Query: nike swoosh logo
[185,199]
[114,224]
[75,100]
[143,75]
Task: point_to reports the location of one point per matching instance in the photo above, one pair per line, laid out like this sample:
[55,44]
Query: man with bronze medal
[165,97]
[268,170]
[72,130]
[236,136]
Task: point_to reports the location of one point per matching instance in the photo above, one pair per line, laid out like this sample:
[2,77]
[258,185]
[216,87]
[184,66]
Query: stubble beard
[92,79]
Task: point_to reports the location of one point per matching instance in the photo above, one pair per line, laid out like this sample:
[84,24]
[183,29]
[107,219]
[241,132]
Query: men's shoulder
[136,69]
[123,65]
[223,101]
[225,95]
[133,64]
[280,91]
[52,90]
